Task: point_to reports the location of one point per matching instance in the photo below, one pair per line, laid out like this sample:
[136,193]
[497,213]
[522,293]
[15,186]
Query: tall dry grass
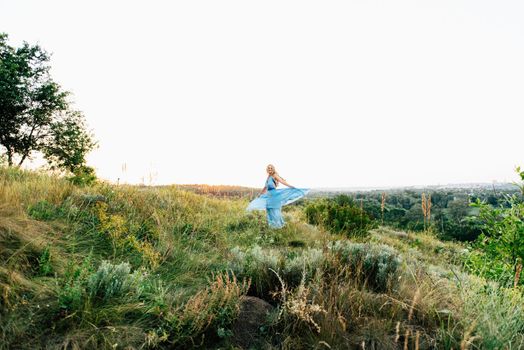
[172,249]
[426,210]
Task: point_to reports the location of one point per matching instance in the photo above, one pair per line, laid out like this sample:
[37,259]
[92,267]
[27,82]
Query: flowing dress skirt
[273,200]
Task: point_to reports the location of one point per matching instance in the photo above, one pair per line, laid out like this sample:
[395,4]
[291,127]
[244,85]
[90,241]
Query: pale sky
[333,93]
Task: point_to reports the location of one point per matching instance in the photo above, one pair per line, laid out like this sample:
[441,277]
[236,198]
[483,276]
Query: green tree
[35,115]
[458,208]
[339,215]
[520,185]
[68,142]
[502,238]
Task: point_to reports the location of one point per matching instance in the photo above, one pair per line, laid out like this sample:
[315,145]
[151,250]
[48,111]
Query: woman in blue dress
[272,199]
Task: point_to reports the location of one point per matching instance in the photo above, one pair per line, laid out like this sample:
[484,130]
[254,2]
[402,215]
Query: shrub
[375,264]
[72,294]
[502,238]
[83,176]
[339,215]
[479,263]
[494,315]
[97,287]
[302,266]
[256,263]
[111,281]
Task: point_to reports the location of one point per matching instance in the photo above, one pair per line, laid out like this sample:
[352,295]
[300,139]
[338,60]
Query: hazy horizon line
[335,188]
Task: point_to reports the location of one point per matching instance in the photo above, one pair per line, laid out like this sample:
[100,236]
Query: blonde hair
[274,173]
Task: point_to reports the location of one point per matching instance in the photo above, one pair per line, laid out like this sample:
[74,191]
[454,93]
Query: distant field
[221,190]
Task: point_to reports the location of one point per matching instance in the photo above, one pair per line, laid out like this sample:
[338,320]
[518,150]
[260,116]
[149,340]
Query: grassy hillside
[129,267]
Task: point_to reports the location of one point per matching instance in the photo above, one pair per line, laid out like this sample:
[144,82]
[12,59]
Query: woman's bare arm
[263,190]
[281,180]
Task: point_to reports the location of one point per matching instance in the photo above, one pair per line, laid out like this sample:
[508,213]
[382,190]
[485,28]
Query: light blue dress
[274,199]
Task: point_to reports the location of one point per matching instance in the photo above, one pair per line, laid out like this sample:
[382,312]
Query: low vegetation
[104,266]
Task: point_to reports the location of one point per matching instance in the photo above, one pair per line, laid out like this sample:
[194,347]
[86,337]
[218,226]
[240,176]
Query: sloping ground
[128,267]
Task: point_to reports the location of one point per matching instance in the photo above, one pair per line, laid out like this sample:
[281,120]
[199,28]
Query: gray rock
[253,315]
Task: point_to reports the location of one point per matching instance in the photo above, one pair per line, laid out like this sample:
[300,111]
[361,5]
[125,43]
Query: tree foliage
[340,215]
[451,215]
[68,142]
[502,238]
[35,115]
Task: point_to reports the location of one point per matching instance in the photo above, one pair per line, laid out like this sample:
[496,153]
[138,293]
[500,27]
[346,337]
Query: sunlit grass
[181,262]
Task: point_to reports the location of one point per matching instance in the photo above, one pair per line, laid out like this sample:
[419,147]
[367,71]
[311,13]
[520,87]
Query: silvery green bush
[307,263]
[114,280]
[377,264]
[257,263]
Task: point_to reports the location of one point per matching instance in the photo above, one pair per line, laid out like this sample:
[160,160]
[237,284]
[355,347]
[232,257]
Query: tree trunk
[9,157]
[28,148]
[22,160]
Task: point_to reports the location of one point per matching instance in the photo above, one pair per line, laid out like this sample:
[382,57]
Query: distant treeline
[450,213]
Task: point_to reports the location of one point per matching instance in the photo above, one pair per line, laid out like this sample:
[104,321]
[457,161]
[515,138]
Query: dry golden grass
[216,305]
[20,189]
[222,191]
[182,238]
[426,210]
